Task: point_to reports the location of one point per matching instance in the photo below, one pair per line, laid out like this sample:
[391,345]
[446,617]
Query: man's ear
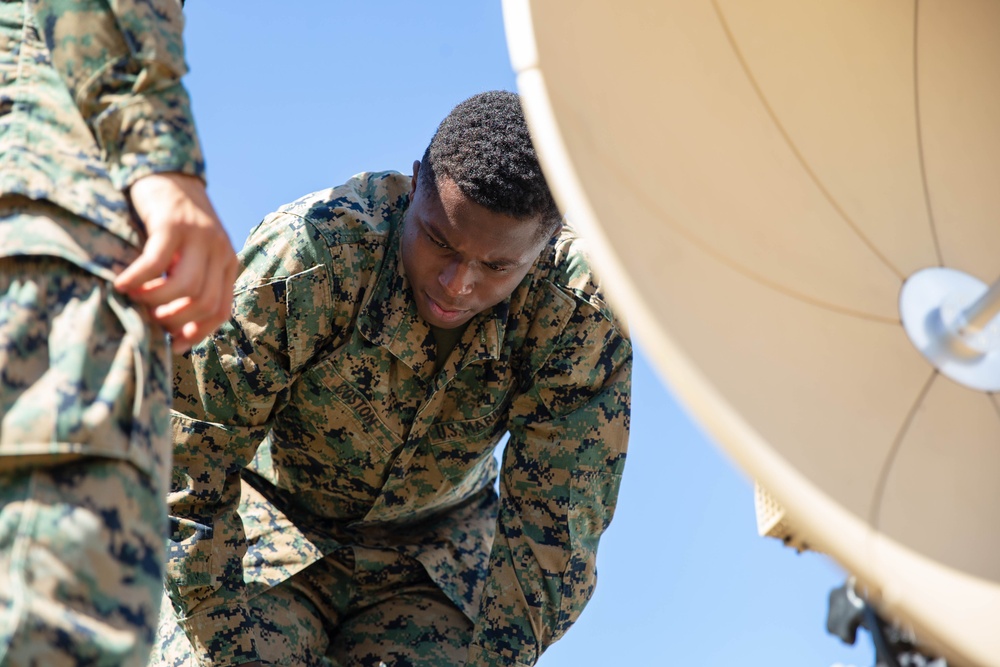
[557,229]
[413,179]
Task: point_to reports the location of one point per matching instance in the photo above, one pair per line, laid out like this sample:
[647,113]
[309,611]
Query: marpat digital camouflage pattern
[319,405]
[90,101]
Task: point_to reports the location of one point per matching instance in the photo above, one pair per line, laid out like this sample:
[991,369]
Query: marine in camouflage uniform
[90,103]
[333,494]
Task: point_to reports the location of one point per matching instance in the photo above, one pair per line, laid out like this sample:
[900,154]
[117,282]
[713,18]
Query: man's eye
[439,244]
[496,267]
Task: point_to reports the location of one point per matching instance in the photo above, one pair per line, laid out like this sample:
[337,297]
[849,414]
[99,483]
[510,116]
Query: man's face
[460,257]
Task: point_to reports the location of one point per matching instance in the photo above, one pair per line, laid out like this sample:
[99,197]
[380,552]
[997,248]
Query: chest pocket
[461,447]
[353,408]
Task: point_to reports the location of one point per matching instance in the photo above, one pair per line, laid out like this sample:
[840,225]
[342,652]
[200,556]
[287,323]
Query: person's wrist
[158,198]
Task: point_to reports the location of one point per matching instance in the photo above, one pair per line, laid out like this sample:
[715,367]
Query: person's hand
[186,270]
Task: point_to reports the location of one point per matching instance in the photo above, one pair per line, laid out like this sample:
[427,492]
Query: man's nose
[456,279]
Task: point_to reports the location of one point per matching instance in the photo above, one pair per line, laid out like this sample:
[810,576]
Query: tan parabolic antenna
[797,205]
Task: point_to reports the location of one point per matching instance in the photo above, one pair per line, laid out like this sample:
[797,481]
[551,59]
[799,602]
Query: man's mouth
[444,311]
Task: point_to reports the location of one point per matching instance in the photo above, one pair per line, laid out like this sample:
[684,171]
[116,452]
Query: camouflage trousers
[84,450]
[358,607]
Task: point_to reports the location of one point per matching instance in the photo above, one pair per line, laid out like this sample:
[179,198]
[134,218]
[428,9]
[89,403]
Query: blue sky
[297,96]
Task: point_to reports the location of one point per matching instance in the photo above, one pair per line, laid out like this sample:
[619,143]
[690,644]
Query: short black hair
[483,146]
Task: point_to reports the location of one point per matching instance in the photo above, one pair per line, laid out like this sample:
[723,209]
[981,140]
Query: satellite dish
[796,204]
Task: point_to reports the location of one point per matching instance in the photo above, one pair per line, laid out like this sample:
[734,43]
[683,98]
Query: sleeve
[227,391]
[558,485]
[122,61]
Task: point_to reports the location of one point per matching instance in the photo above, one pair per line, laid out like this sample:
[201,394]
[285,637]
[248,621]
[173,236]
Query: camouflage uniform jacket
[90,101]
[328,367]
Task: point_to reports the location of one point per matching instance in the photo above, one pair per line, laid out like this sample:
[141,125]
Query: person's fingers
[188,319]
[173,315]
[178,346]
[187,269]
[157,256]
[193,332]
[186,278]
[189,335]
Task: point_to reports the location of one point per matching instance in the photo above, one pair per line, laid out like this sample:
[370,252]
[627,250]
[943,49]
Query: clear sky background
[292,97]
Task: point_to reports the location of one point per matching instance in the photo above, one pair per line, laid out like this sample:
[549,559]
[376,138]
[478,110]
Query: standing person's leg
[80,564]
[84,412]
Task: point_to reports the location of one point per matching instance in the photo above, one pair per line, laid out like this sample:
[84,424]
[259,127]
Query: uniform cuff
[152,133]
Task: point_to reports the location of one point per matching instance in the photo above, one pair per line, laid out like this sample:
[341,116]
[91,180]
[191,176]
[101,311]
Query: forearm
[559,485]
[215,435]
[515,622]
[207,542]
[226,392]
[543,563]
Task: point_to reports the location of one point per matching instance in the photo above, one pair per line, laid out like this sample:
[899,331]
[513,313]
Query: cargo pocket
[143,365]
[94,383]
[459,447]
